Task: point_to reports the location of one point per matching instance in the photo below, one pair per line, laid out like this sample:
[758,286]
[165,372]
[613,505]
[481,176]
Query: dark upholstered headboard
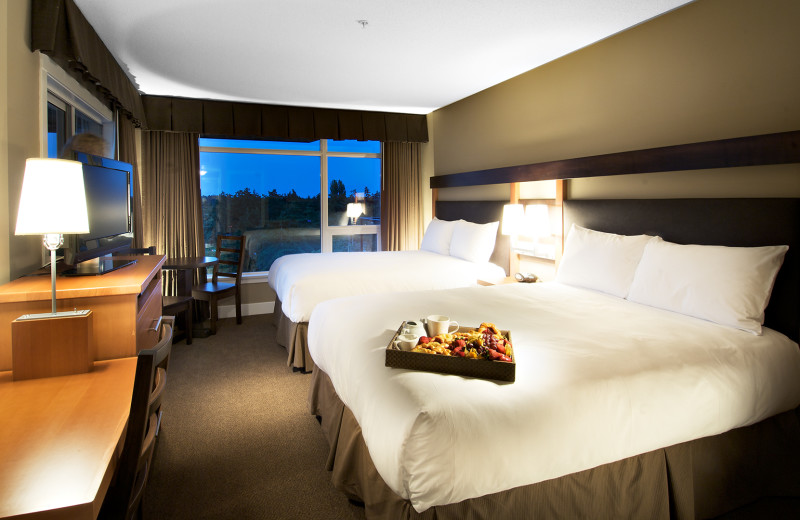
[729,222]
[480,212]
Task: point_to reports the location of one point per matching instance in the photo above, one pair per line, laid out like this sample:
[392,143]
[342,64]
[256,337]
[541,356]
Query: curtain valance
[59,29]
[250,120]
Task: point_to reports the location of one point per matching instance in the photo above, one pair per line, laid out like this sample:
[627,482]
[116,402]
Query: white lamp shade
[53,199]
[537,220]
[512,219]
[354,209]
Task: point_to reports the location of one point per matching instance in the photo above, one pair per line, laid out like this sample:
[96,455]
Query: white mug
[407,341]
[438,324]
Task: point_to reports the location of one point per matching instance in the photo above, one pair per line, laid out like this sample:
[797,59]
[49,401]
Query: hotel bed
[623,406]
[302,281]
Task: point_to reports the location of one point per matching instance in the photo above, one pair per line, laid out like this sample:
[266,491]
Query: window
[67,119]
[288,197]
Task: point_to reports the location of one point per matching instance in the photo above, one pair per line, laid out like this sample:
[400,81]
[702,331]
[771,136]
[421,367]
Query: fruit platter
[484,352]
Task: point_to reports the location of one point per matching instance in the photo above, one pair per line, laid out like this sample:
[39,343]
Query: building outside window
[288,197]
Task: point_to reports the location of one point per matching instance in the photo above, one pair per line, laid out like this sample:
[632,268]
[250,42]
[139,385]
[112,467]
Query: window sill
[257,277]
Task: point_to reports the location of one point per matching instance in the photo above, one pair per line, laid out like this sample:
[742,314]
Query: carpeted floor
[237,440]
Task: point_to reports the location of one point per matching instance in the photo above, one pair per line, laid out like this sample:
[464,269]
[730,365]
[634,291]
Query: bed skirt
[294,337]
[696,479]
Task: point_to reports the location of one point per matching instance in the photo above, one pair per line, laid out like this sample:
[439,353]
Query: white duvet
[301,281]
[598,379]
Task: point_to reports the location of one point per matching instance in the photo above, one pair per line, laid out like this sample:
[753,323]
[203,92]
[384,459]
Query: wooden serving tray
[480,368]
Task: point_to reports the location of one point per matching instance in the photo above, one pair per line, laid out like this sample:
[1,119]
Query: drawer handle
[158,324]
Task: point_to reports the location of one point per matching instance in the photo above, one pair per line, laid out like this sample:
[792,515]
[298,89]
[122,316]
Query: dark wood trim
[779,148]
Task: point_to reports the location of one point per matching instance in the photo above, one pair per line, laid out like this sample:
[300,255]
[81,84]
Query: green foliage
[247,210]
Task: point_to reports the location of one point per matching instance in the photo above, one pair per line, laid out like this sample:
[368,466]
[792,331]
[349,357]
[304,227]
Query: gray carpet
[237,440]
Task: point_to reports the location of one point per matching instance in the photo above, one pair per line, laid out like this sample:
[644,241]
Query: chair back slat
[234,246]
[124,498]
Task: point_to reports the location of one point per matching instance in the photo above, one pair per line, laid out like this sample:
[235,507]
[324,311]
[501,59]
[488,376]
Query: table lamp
[354,210]
[53,202]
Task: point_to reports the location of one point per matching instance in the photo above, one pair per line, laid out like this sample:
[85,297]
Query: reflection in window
[272,193]
[56,130]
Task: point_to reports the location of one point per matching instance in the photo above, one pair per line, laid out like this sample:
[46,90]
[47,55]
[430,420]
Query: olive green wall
[19,134]
[712,69]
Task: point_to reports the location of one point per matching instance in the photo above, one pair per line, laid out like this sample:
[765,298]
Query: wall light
[513,219]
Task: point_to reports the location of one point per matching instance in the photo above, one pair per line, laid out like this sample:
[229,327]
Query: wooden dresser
[126,304]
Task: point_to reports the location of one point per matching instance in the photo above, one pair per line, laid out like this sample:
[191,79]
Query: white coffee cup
[439,324]
[407,341]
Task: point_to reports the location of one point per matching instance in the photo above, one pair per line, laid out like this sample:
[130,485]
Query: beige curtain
[401,219]
[127,153]
[173,216]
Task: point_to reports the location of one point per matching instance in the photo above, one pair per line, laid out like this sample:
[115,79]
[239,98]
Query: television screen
[107,196]
[108,200]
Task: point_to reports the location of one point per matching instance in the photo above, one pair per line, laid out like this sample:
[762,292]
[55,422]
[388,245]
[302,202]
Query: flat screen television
[108,199]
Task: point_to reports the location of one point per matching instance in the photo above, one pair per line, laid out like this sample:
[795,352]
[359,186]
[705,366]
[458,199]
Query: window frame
[63,91]
[327,232]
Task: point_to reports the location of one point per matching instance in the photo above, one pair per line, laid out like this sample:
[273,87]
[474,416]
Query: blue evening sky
[231,172]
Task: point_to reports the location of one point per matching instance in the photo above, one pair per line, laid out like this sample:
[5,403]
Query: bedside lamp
[53,202]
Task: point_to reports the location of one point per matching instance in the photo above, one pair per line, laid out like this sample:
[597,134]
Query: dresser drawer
[147,319]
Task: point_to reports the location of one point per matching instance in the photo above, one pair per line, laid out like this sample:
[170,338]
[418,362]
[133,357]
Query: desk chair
[124,497]
[230,251]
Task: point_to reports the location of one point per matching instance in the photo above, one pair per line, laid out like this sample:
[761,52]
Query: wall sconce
[513,219]
[537,220]
[527,227]
[52,202]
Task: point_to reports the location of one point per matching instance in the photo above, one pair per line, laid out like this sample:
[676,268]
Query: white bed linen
[598,379]
[301,281]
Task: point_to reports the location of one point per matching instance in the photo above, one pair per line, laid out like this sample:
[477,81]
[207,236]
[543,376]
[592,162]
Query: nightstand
[507,279]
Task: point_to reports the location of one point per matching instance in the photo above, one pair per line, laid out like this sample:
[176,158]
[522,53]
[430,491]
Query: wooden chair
[230,251]
[124,496]
[180,305]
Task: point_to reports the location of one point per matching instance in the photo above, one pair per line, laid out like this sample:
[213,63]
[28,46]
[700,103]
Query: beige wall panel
[4,214]
[20,69]
[713,69]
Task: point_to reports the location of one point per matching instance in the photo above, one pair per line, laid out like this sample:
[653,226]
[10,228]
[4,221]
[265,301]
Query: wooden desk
[60,440]
[125,304]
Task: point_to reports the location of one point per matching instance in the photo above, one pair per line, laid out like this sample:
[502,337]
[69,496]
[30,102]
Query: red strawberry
[500,348]
[505,358]
[423,340]
[493,354]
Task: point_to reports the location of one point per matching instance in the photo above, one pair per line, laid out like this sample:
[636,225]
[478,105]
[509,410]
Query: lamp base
[52,346]
[59,314]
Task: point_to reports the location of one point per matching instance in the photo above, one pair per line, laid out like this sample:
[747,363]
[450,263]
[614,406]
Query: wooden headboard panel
[729,222]
[480,212]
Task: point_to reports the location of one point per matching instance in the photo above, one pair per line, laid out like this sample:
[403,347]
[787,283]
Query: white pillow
[437,237]
[473,242]
[600,261]
[727,285]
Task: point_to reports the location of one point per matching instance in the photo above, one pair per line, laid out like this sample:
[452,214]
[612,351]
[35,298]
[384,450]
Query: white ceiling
[412,56]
